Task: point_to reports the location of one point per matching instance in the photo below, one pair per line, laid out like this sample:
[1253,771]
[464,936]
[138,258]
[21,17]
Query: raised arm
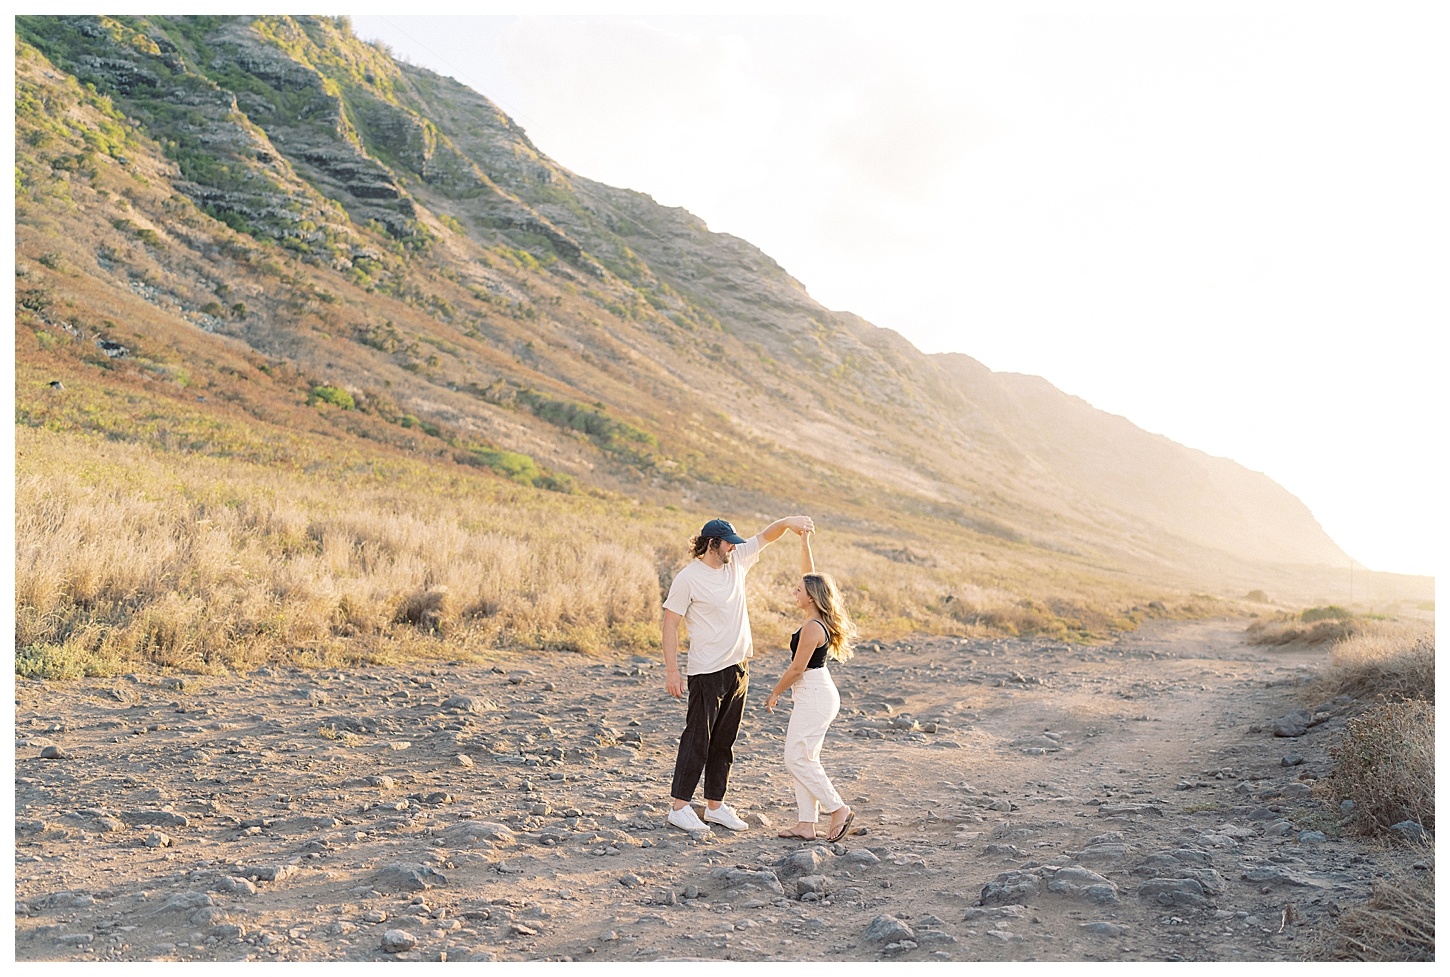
[798,524]
[808,563]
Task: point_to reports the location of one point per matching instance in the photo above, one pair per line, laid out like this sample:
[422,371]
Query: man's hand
[796,524]
[674,683]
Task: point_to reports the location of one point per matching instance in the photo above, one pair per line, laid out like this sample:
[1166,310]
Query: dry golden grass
[196,563]
[1385,758]
[1396,924]
[131,556]
[1286,629]
[1393,659]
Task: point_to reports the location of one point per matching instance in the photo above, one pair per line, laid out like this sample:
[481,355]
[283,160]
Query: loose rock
[887,929]
[398,941]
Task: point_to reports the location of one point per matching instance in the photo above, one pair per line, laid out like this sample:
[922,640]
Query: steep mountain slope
[296,195]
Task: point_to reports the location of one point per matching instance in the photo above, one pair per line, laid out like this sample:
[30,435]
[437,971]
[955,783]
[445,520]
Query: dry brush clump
[1283,629]
[1385,758]
[1385,764]
[1397,923]
[1394,659]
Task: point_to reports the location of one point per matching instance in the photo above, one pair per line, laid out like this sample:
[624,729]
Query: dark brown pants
[716,702]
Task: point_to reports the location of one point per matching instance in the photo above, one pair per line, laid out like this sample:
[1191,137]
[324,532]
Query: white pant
[815,704]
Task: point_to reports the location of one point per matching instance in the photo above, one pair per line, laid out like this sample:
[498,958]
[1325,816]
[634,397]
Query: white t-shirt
[712,602]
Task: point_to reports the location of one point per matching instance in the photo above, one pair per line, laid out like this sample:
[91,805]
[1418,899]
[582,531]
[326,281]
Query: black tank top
[818,659]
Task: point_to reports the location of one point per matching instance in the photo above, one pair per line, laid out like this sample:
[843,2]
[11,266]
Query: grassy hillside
[319,357]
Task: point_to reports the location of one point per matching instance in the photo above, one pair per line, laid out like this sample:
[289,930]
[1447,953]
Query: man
[709,595]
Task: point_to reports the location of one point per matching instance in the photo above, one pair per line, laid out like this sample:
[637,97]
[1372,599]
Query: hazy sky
[1229,229]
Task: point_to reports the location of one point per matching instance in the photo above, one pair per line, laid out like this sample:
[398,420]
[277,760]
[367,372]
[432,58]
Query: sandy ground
[1020,800]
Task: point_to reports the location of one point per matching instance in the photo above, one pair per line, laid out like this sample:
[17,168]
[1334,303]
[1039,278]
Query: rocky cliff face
[449,274]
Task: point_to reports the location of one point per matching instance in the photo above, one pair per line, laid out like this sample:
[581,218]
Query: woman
[827,632]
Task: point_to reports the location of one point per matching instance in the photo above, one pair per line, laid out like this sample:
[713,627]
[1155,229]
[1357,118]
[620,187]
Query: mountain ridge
[445,265]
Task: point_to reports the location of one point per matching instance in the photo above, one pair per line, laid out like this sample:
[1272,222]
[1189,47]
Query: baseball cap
[720,529]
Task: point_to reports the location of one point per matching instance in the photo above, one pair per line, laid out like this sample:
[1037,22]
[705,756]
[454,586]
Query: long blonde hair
[840,631]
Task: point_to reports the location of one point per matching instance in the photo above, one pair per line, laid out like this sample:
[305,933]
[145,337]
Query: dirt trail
[1021,799]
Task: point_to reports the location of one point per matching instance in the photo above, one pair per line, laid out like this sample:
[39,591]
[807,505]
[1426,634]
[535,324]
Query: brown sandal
[798,837]
[840,832]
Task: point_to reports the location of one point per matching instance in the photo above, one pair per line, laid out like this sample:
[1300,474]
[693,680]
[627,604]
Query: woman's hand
[770,703]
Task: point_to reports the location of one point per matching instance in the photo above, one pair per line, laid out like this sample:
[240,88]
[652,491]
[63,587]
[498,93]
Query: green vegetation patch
[606,431]
[1326,613]
[336,396]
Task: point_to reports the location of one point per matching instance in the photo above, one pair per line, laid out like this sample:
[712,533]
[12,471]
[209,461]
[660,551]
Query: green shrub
[1325,613]
[336,396]
[1257,596]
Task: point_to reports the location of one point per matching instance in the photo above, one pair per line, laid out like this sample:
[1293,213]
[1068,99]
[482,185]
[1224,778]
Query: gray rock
[398,941]
[269,873]
[1173,892]
[1262,814]
[1128,810]
[227,931]
[236,886]
[1278,829]
[74,939]
[1312,838]
[1409,831]
[1081,883]
[897,949]
[466,834]
[631,881]
[1346,806]
[66,899]
[861,856]
[468,703]
[186,900]
[663,897]
[1295,723]
[1296,791]
[407,877]
[158,839]
[1291,760]
[159,819]
[887,929]
[1007,851]
[995,912]
[1010,887]
[1103,928]
[934,936]
[738,877]
[1276,875]
[810,884]
[803,861]
[305,824]
[53,753]
[1106,854]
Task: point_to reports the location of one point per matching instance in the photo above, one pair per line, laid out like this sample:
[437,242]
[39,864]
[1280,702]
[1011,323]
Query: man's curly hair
[701,545]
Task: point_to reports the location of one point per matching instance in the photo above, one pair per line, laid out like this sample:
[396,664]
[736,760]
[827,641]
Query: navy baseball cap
[720,529]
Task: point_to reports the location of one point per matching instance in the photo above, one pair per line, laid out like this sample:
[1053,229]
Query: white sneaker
[724,815]
[687,819]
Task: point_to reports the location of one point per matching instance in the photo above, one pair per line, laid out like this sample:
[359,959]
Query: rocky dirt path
[1019,800]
